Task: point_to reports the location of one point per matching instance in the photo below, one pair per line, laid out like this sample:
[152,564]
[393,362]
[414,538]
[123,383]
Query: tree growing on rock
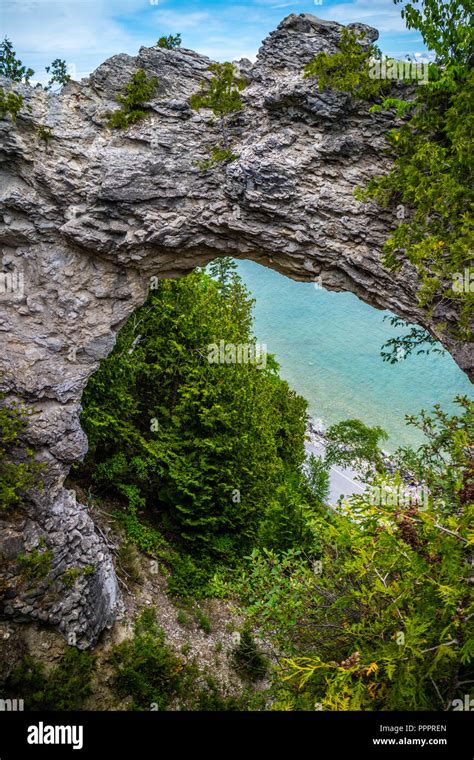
[10,103]
[59,73]
[133,99]
[223,270]
[170,42]
[222,95]
[10,66]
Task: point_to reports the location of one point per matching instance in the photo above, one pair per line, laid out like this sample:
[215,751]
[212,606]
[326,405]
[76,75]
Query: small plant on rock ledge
[170,42]
[136,93]
[16,475]
[222,95]
[10,103]
[70,576]
[36,564]
[218,156]
[44,133]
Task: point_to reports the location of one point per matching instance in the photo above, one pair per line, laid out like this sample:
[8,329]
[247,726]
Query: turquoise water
[328,346]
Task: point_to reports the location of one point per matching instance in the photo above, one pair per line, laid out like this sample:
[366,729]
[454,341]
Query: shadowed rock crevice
[90,216]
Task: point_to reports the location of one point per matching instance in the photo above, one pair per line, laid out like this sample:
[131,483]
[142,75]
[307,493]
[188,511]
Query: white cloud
[175,20]
[83,32]
[60,26]
[384,15]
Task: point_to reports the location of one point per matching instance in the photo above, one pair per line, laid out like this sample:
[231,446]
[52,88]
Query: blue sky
[86,32]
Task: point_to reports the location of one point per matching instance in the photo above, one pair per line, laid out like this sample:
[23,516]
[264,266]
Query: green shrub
[10,103]
[352,443]
[218,156]
[188,580]
[44,133]
[127,561]
[119,119]
[203,620]
[274,589]
[284,521]
[248,659]
[381,616]
[36,564]
[148,540]
[59,74]
[348,69]
[220,584]
[170,42]
[66,687]
[317,478]
[222,95]
[19,474]
[71,575]
[212,698]
[146,669]
[139,90]
[184,619]
[10,66]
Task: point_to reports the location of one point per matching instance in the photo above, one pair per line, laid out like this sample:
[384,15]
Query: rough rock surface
[88,217]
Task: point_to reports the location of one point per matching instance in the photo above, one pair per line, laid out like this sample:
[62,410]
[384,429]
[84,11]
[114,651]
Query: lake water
[328,347]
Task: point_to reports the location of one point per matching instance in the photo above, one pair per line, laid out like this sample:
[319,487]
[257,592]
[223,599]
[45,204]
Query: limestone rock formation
[90,215]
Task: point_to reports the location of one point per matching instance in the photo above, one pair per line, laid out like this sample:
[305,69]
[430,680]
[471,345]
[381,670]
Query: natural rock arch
[89,217]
